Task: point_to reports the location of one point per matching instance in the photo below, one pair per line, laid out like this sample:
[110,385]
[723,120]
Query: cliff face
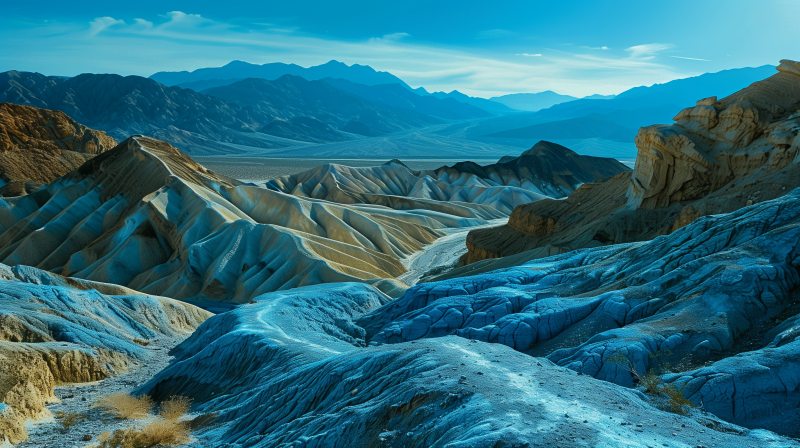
[718,156]
[37,146]
[715,142]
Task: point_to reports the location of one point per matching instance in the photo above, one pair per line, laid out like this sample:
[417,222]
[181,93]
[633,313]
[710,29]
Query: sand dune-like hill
[146,216]
[37,146]
[546,170]
[719,156]
[56,330]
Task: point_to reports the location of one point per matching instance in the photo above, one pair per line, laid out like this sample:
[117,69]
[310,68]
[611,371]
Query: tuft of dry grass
[159,432]
[125,406]
[68,420]
[175,407]
[676,398]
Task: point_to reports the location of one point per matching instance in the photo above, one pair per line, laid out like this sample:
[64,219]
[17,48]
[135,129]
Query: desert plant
[654,384]
[123,405]
[158,432]
[175,407]
[68,420]
[676,399]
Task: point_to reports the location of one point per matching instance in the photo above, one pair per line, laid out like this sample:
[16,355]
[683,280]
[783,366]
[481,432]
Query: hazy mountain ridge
[238,70]
[292,96]
[205,124]
[398,96]
[532,102]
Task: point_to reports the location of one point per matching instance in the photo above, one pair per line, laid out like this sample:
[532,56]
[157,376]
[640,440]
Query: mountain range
[532,102]
[238,70]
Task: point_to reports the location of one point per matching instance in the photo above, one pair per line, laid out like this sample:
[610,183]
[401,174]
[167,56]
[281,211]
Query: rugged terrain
[719,156]
[146,216]
[675,323]
[37,146]
[56,330]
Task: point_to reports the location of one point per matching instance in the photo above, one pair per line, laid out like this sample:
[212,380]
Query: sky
[481,48]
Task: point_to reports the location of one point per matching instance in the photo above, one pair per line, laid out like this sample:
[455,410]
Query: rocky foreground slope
[452,363]
[56,330]
[37,146]
[719,156]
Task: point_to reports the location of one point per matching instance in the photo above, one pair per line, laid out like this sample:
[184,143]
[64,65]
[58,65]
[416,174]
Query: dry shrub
[159,432]
[125,406]
[676,398]
[175,407]
[651,381]
[68,420]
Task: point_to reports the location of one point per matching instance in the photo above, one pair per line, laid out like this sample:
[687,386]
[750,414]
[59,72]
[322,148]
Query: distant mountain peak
[238,70]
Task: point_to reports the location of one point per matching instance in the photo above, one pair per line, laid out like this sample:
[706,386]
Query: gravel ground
[441,255]
[78,398]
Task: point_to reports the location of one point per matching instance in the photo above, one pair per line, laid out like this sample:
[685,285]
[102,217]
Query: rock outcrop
[295,366]
[56,330]
[37,146]
[719,156]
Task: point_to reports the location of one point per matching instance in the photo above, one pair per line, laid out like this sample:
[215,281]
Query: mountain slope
[238,70]
[532,102]
[573,128]
[122,106]
[398,96]
[291,96]
[37,146]
[634,108]
[481,103]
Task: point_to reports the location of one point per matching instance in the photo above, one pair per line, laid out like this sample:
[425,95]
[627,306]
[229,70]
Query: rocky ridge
[37,146]
[719,156]
[146,216]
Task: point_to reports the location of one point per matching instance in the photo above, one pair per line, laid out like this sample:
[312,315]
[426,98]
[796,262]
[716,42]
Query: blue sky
[480,48]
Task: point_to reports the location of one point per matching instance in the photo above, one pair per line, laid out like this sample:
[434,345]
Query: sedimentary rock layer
[146,216]
[546,170]
[37,146]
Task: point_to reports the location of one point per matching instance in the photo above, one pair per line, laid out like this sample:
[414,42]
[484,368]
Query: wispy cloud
[647,51]
[691,59]
[99,24]
[390,37]
[527,54]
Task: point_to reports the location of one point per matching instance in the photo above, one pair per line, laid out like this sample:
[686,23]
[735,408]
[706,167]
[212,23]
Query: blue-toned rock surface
[292,369]
[56,330]
[692,299]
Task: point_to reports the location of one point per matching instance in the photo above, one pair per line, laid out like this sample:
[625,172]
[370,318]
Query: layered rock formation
[716,304]
[546,170]
[144,215]
[37,146]
[294,367]
[719,156]
[56,330]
